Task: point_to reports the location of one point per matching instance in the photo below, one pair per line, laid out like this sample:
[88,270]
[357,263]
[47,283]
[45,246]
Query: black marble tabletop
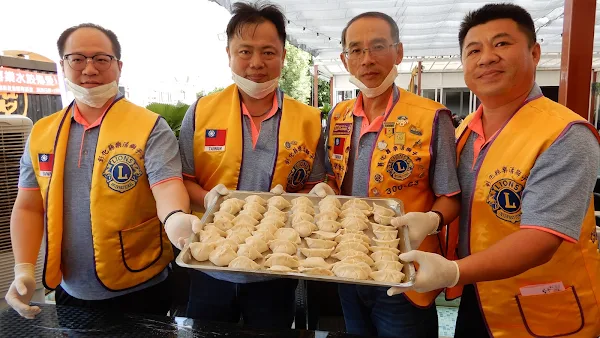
[65,321]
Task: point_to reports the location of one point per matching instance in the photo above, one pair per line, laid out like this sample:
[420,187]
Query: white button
[85,152]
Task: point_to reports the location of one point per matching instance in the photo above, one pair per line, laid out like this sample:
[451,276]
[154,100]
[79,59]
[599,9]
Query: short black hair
[257,13]
[116,46]
[491,12]
[393,25]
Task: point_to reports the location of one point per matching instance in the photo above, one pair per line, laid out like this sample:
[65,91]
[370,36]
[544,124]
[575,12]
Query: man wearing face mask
[390,143]
[100,189]
[250,136]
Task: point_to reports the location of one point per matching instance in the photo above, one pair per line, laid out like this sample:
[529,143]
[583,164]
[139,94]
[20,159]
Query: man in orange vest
[390,143]
[529,258]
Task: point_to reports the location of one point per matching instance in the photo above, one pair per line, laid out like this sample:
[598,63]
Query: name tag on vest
[338,148]
[46,161]
[214,139]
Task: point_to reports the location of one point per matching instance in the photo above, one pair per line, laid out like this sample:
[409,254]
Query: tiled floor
[447,320]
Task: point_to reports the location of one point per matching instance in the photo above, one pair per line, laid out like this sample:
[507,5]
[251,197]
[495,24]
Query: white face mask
[94,97]
[374,92]
[255,89]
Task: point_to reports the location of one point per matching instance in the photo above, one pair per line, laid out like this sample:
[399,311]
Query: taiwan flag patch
[338,148]
[214,139]
[46,162]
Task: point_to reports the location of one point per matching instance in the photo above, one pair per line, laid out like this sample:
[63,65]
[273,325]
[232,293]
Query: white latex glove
[420,225]
[435,272]
[322,189]
[21,291]
[214,193]
[277,190]
[180,227]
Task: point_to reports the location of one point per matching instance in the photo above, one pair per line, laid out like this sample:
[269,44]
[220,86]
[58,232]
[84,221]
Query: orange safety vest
[218,141]
[130,244]
[496,213]
[400,160]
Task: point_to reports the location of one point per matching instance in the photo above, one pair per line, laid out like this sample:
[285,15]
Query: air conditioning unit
[14,130]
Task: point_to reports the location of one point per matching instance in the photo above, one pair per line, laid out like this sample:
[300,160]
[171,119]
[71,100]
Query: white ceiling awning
[428,28]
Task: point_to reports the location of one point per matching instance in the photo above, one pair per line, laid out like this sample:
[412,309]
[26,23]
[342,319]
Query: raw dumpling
[283,246]
[324,253]
[256,199]
[346,253]
[222,256]
[325,235]
[243,263]
[288,234]
[320,243]
[316,271]
[354,223]
[386,235]
[201,251]
[280,268]
[248,251]
[252,213]
[315,262]
[256,207]
[243,226]
[238,236]
[352,245]
[326,216]
[274,211]
[244,218]
[330,226]
[388,265]
[304,228]
[232,205]
[353,213]
[383,220]
[227,242]
[222,224]
[258,243]
[212,228]
[222,216]
[276,222]
[267,227]
[264,235]
[358,257]
[390,276]
[303,208]
[351,231]
[209,236]
[278,202]
[383,248]
[383,211]
[393,243]
[353,237]
[302,200]
[352,270]
[302,216]
[356,203]
[330,200]
[282,259]
[378,227]
[384,256]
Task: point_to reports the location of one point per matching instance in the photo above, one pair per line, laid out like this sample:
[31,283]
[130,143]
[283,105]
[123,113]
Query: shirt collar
[77,117]
[358,105]
[277,103]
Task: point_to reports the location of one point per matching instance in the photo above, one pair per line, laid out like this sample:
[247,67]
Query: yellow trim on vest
[298,138]
[496,213]
[400,160]
[130,245]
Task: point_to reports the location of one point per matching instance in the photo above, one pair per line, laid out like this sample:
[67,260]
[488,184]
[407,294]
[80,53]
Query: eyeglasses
[78,62]
[375,50]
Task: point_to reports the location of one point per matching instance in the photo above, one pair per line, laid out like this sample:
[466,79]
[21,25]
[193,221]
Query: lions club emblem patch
[505,199]
[400,166]
[122,173]
[298,176]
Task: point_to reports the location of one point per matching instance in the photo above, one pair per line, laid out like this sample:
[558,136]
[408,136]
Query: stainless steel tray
[186,260]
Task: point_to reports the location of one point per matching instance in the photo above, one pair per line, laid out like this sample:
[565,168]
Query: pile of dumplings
[252,234]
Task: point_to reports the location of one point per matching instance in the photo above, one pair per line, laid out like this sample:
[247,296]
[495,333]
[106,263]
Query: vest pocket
[141,246]
[554,314]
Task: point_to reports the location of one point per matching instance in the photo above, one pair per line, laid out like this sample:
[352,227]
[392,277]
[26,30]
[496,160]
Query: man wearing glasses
[97,180]
[391,143]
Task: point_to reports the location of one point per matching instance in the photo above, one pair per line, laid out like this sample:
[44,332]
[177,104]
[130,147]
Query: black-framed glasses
[78,61]
[376,50]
